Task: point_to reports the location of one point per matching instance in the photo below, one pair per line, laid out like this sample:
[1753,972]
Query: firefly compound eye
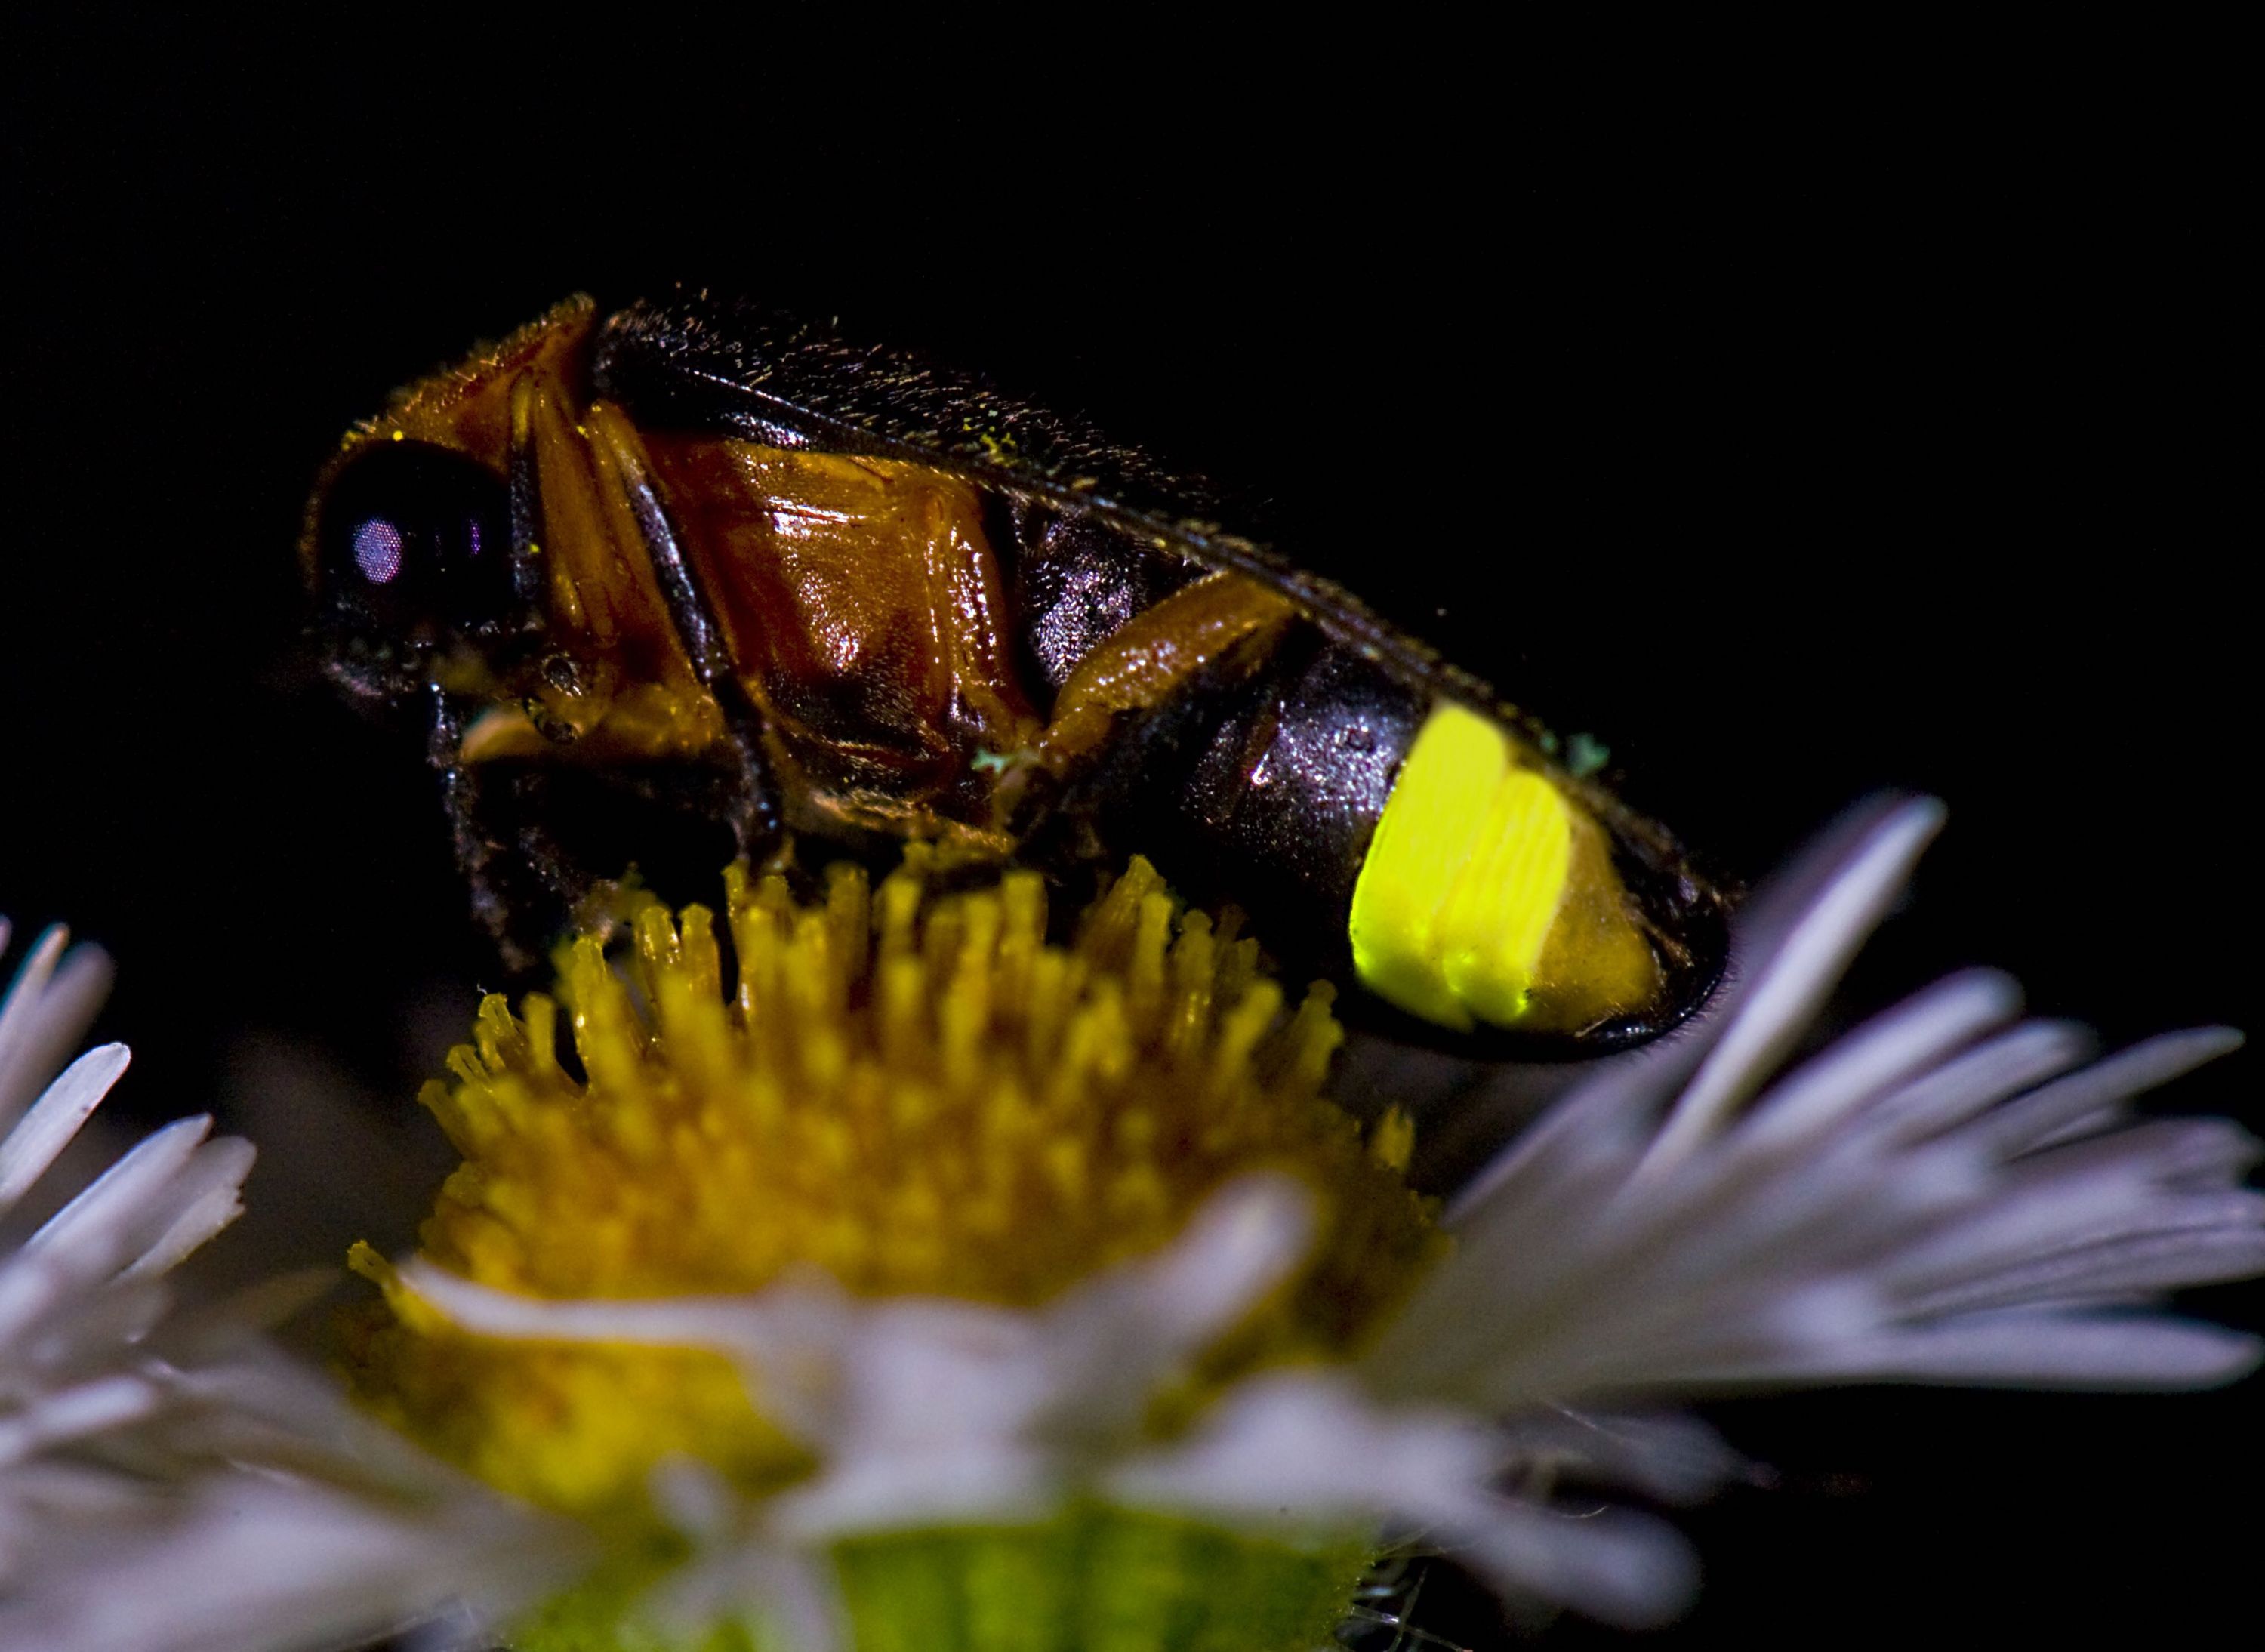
[414,544]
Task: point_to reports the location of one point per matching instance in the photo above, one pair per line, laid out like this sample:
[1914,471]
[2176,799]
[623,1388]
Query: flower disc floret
[912,1093]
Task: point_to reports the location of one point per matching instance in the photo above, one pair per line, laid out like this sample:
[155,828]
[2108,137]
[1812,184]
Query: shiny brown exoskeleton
[697,578]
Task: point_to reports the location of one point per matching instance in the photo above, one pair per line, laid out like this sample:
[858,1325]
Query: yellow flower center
[917,1093]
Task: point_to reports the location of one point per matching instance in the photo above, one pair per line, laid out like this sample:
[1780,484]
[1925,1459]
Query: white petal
[53,1419]
[46,1012]
[1789,990]
[24,1025]
[785,1317]
[1310,1444]
[204,1198]
[979,1481]
[749,1575]
[1917,1037]
[1624,1568]
[1596,1132]
[1310,1447]
[1111,1343]
[252,1564]
[170,1188]
[101,1219]
[264,1408]
[1241,1243]
[2021,1349]
[2191,1252]
[47,1129]
[2038,1119]
[1670,1457]
[1975,1082]
[81,1331]
[2096,1190]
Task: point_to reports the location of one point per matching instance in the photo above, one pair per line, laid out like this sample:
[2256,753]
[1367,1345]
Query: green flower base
[1094,1580]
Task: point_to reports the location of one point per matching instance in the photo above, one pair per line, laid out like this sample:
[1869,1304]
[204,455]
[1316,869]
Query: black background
[1796,451]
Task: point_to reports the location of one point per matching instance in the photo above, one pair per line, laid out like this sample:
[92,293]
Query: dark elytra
[703,360]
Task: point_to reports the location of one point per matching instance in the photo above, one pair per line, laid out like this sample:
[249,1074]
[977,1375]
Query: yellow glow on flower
[915,1093]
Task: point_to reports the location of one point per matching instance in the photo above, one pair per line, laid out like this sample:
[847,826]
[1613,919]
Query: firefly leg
[476,850]
[755,821]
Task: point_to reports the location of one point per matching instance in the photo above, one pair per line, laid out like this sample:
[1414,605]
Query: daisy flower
[927,1283]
